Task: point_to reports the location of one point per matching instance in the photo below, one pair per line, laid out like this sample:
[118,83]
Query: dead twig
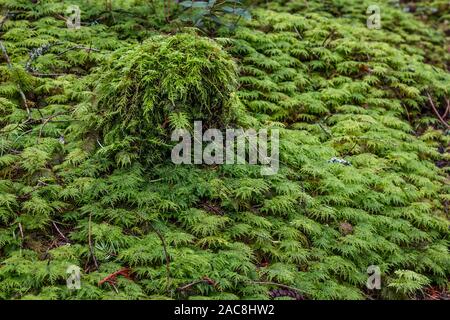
[436,112]
[91,248]
[298,33]
[18,125]
[46,120]
[203,280]
[21,230]
[277,284]
[115,288]
[11,67]
[111,278]
[89,49]
[59,232]
[166,254]
[447,110]
[213,209]
[50,75]
[324,130]
[329,36]
[39,185]
[8,61]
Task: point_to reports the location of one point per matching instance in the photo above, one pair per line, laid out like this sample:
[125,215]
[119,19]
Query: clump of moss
[166,82]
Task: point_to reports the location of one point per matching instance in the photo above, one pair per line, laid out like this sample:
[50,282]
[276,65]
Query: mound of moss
[143,92]
[333,88]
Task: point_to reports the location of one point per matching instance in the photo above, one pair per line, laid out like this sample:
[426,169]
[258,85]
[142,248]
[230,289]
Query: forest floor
[92,207]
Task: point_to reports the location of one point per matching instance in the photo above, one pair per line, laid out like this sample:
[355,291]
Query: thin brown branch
[60,17]
[329,36]
[39,185]
[163,241]
[89,49]
[91,247]
[447,110]
[203,280]
[111,278]
[436,112]
[298,33]
[115,288]
[50,75]
[59,231]
[10,66]
[17,126]
[47,120]
[21,230]
[190,285]
[276,284]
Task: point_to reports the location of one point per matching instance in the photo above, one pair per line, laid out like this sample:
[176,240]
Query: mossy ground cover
[86,177]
